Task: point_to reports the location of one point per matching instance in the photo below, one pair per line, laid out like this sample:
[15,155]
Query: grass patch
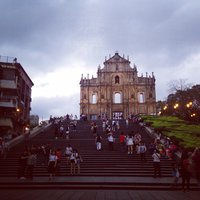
[187,135]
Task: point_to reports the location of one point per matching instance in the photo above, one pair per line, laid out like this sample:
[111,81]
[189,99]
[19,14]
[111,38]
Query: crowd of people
[110,132]
[51,157]
[187,166]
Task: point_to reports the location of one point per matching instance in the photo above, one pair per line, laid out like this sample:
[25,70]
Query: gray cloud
[56,106]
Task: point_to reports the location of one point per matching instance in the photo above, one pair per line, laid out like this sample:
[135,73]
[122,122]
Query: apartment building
[15,96]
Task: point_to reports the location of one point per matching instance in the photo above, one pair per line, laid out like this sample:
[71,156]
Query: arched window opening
[117,97]
[116,79]
[141,97]
[94,99]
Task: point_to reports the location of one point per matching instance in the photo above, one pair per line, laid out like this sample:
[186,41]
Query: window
[94,99]
[116,79]
[141,97]
[117,97]
[117,67]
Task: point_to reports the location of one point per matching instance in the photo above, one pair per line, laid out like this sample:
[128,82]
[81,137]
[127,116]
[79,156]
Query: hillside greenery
[187,135]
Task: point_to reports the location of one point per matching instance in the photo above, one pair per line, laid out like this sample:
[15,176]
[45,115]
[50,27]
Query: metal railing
[7,59]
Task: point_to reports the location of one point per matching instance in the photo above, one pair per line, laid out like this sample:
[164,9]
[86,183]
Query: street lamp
[165,108]
[188,105]
[176,106]
[193,115]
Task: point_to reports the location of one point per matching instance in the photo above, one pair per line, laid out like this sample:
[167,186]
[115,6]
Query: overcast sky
[58,40]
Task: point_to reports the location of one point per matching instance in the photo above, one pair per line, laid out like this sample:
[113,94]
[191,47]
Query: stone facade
[117,92]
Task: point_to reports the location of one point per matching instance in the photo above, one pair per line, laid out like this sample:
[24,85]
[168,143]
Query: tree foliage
[184,103]
[178,85]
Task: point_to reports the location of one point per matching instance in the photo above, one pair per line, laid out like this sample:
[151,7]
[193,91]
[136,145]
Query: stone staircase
[96,165]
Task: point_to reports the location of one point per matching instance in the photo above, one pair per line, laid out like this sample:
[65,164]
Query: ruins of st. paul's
[118,91]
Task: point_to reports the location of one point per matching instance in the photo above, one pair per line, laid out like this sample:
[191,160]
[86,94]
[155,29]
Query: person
[142,151]
[98,141]
[73,162]
[59,157]
[117,125]
[67,133]
[196,161]
[122,141]
[94,129]
[78,162]
[156,163]
[175,174]
[110,141]
[104,125]
[43,154]
[52,164]
[61,131]
[22,164]
[137,139]
[130,143]
[31,162]
[127,123]
[185,171]
[3,148]
[113,125]
[68,152]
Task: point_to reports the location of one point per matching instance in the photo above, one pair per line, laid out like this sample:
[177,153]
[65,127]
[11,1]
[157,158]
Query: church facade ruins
[117,92]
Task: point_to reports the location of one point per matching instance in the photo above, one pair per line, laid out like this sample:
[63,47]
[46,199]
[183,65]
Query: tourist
[104,125]
[175,174]
[42,154]
[113,125]
[98,141]
[142,151]
[61,131]
[73,162]
[31,162]
[156,163]
[22,164]
[67,133]
[78,162]
[110,141]
[94,129]
[52,164]
[122,141]
[130,143]
[185,170]
[117,125]
[59,157]
[68,152]
[3,148]
[196,161]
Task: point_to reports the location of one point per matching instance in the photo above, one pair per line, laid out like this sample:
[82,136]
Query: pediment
[116,58]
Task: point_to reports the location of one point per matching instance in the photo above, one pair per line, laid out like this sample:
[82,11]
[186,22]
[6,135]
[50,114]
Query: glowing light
[165,108]
[176,106]
[188,105]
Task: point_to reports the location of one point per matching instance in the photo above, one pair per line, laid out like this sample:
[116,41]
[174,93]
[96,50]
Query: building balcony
[9,84]
[7,102]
